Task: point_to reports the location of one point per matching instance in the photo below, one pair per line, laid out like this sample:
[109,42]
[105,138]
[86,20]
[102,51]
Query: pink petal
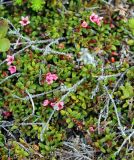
[96,19]
[48,74]
[54,76]
[9,63]
[27,18]
[84,24]
[46,102]
[96,16]
[91,19]
[60,105]
[50,77]
[49,81]
[10,59]
[28,22]
[91,129]
[12,69]
[52,104]
[59,108]
[8,56]
[100,18]
[23,18]
[22,23]
[93,14]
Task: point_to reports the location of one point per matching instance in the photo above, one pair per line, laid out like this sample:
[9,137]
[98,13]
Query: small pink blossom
[91,129]
[12,69]
[9,59]
[24,21]
[84,24]
[46,102]
[50,77]
[59,105]
[96,19]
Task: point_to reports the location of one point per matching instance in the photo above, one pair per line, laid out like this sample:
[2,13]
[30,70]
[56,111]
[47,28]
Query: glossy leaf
[4,45]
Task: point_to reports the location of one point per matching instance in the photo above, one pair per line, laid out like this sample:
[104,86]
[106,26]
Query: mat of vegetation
[66,80]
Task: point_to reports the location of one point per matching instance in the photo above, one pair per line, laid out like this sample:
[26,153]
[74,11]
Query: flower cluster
[10,60]
[96,19]
[58,106]
[93,18]
[51,77]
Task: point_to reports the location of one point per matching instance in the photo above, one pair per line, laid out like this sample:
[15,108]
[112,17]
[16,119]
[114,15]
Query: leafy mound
[68,74]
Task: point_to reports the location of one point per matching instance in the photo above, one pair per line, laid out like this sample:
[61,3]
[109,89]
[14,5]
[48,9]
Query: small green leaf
[71,124]
[131,22]
[113,48]
[68,120]
[4,45]
[127,91]
[103,150]
[130,42]
[83,106]
[47,148]
[63,112]
[1,144]
[131,25]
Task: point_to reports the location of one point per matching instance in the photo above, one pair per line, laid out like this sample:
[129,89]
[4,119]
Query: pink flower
[84,24]
[46,102]
[50,77]
[12,69]
[24,21]
[91,129]
[59,105]
[9,59]
[96,19]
